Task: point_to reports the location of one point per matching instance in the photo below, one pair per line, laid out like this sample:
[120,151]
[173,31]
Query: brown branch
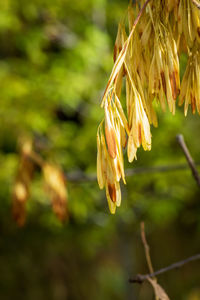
[140,13]
[141,278]
[188,156]
[196,3]
[146,248]
[147,252]
[36,158]
[79,176]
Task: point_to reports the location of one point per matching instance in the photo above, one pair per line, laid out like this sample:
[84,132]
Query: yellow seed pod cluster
[146,59]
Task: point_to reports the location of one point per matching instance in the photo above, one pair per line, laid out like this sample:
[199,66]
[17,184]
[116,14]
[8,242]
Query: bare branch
[146,248]
[195,2]
[79,176]
[141,278]
[188,156]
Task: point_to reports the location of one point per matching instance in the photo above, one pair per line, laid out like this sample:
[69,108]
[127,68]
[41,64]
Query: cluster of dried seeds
[147,59]
[54,180]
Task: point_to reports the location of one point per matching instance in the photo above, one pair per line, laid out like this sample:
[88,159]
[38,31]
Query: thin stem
[147,251]
[36,158]
[196,3]
[146,248]
[177,265]
[79,176]
[188,156]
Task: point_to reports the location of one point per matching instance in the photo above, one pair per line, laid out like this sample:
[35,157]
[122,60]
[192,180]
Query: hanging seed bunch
[146,59]
[54,179]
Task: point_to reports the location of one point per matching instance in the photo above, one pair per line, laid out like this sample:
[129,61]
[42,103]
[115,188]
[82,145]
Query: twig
[147,252]
[196,3]
[141,278]
[36,158]
[146,248]
[188,156]
[140,13]
[79,176]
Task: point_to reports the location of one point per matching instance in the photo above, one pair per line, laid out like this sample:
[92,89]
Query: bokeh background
[55,59]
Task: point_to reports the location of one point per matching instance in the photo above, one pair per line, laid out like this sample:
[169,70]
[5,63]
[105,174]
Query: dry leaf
[158,290]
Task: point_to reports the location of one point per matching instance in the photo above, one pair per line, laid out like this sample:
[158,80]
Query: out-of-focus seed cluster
[54,179]
[146,60]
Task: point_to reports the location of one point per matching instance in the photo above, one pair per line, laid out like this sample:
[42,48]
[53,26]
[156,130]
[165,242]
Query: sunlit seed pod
[124,137]
[131,149]
[120,154]
[187,99]
[190,27]
[116,170]
[153,77]
[100,173]
[122,115]
[175,90]
[188,18]
[146,34]
[180,17]
[129,102]
[118,82]
[197,87]
[154,119]
[109,131]
[150,61]
[118,194]
[170,99]
[196,20]
[141,126]
[190,86]
[105,156]
[171,4]
[111,195]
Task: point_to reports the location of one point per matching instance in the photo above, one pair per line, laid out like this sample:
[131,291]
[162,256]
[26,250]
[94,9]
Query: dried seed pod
[110,168]
[190,86]
[149,59]
[56,188]
[164,81]
[189,21]
[22,183]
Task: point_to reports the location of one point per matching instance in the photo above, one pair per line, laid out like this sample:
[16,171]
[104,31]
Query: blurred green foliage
[55,59]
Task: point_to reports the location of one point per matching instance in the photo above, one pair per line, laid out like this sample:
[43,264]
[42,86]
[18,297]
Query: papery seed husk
[100,176]
[112,205]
